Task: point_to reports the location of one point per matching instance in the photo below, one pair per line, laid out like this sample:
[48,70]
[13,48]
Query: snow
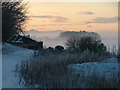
[9,60]
[107,68]
[14,55]
[0,66]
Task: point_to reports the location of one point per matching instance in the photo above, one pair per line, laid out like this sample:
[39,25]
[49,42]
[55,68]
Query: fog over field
[53,38]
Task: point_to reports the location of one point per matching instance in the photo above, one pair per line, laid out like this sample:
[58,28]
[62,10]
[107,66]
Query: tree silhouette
[13,18]
[86,43]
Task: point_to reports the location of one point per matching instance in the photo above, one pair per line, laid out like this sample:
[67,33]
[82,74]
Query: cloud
[42,16]
[83,6]
[50,13]
[61,19]
[103,20]
[56,18]
[89,26]
[86,13]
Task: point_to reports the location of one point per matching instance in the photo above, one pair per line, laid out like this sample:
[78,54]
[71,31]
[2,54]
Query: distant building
[26,41]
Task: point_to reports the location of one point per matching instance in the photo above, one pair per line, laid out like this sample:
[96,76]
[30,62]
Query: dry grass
[101,81]
[50,68]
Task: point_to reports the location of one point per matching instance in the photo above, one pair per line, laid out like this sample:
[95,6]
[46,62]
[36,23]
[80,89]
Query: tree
[86,43]
[13,18]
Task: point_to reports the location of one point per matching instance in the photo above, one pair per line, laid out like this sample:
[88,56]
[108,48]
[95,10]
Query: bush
[59,48]
[86,43]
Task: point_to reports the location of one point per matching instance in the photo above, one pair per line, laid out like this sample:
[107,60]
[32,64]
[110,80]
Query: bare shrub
[114,51]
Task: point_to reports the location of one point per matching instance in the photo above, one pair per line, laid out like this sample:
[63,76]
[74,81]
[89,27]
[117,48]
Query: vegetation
[49,68]
[95,80]
[13,18]
[118,53]
[59,48]
[86,43]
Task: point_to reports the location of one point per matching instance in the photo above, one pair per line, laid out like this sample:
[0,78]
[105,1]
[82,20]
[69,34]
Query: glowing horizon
[73,16]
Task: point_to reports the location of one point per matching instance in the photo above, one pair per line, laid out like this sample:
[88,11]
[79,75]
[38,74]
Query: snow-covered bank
[0,71]
[0,66]
[98,74]
[108,68]
[12,56]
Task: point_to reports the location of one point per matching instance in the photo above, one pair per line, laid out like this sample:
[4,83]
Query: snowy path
[9,62]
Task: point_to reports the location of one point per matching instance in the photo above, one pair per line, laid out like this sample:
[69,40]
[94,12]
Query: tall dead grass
[95,80]
[49,69]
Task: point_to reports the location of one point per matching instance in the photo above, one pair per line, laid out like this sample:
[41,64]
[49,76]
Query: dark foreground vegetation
[48,68]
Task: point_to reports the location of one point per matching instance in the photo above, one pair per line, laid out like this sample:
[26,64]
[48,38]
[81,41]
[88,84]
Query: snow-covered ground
[12,56]
[106,68]
[98,73]
[0,66]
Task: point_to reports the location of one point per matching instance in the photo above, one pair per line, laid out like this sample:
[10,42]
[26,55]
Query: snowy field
[98,74]
[107,68]
[13,55]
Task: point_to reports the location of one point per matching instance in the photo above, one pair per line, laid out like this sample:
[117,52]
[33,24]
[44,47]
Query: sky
[72,0]
[99,17]
[73,16]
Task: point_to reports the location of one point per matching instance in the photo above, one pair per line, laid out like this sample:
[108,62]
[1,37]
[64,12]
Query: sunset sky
[73,16]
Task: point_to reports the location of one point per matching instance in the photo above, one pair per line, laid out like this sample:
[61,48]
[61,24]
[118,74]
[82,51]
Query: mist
[54,38]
